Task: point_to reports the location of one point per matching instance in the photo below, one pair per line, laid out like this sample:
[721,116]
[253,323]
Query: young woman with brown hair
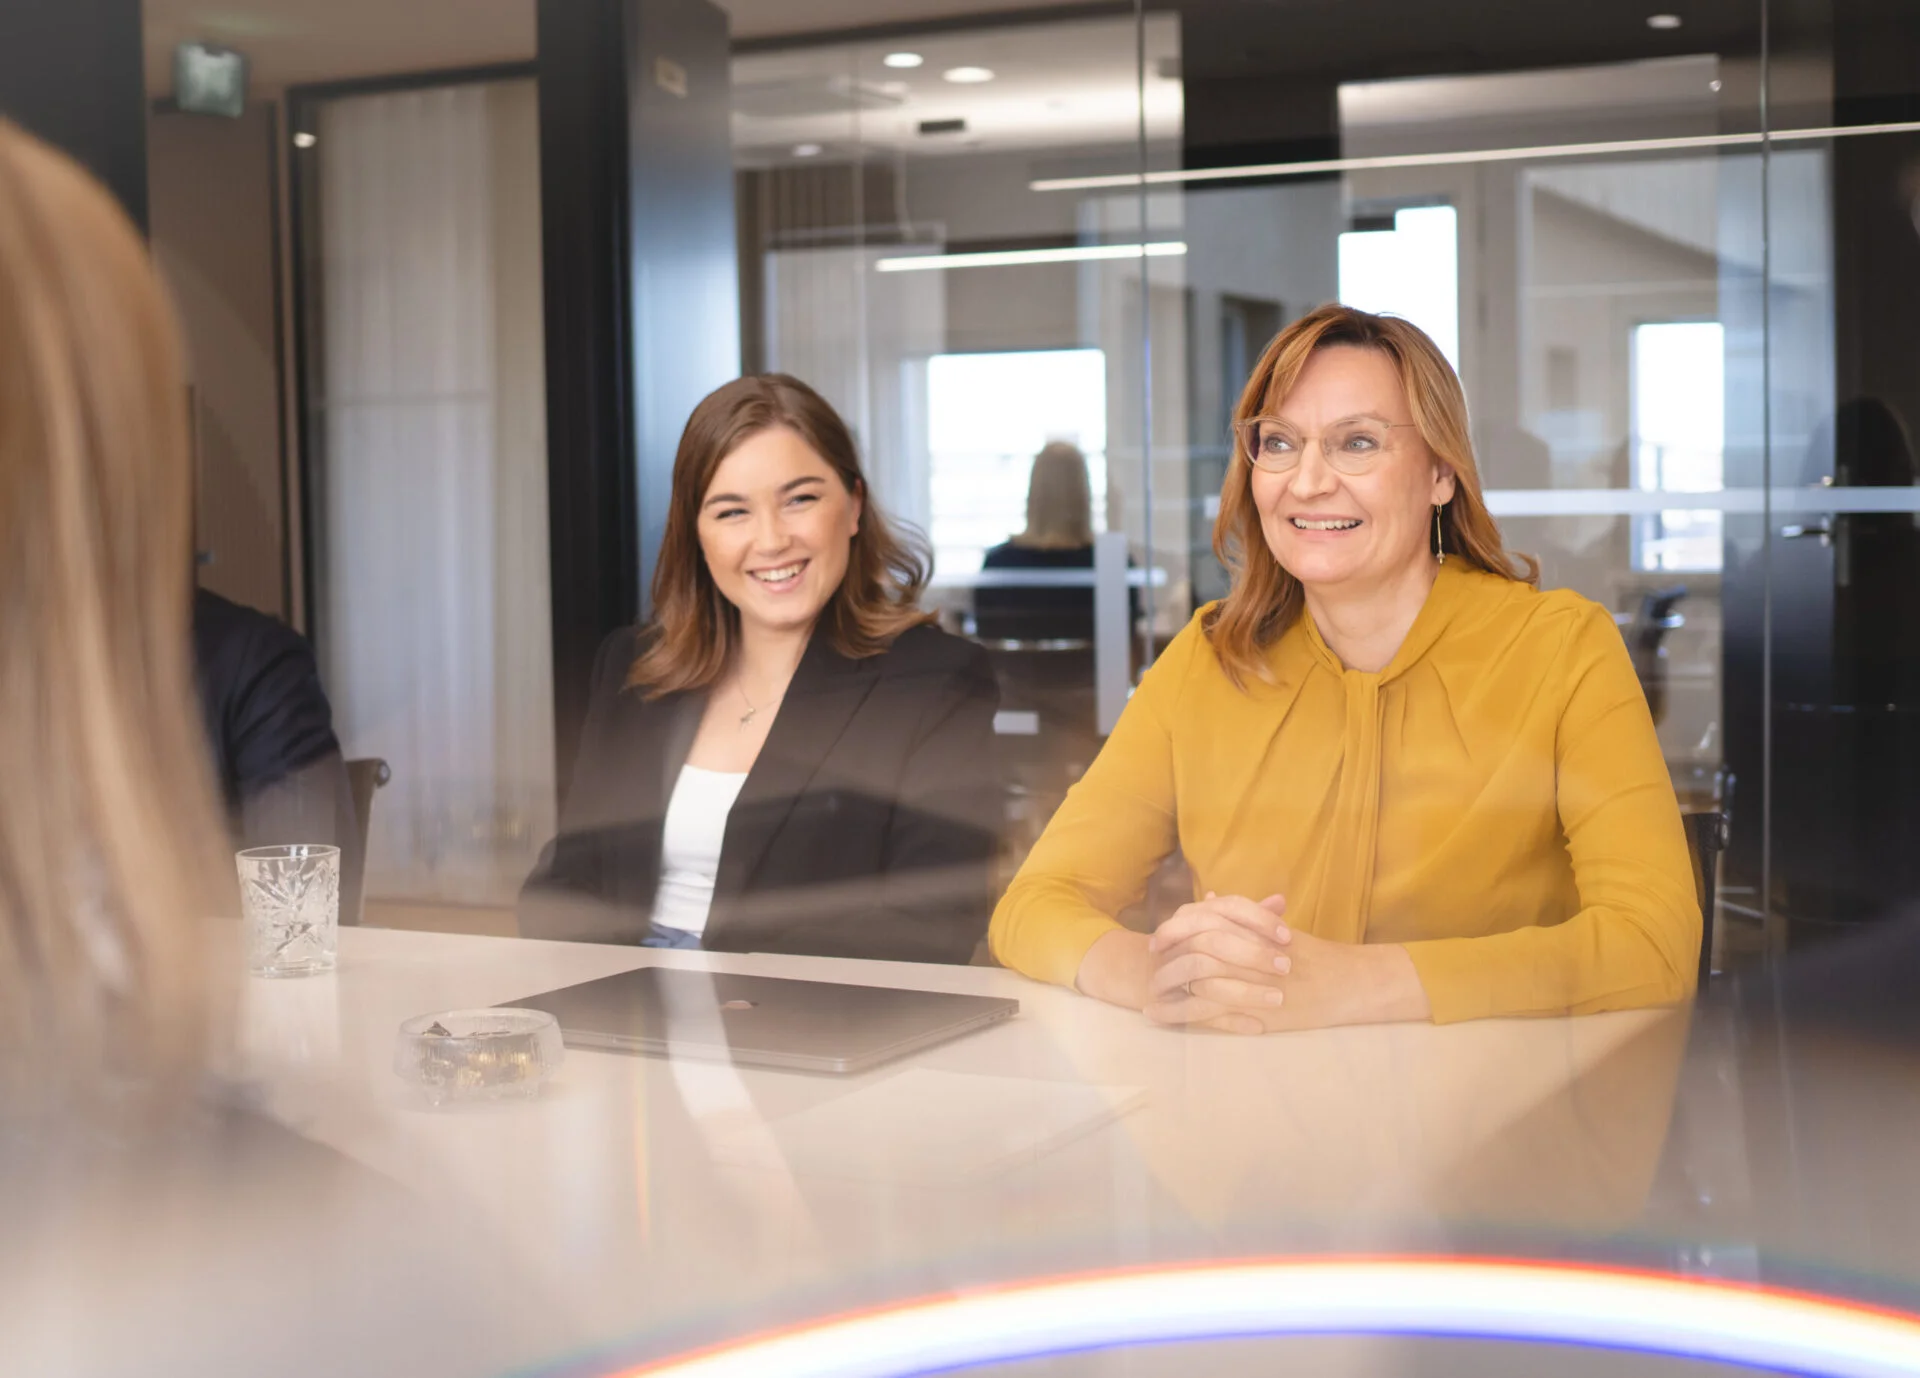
[790,757]
[1408,783]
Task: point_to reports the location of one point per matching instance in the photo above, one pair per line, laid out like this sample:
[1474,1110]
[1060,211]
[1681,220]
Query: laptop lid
[762,1021]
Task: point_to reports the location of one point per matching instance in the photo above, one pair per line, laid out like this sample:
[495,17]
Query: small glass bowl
[475,1055]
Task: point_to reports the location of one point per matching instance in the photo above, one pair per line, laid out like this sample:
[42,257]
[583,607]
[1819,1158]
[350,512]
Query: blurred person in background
[154,1224]
[790,757]
[1058,535]
[1408,784]
[276,761]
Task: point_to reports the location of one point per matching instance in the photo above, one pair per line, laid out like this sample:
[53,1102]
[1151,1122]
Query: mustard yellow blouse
[1495,799]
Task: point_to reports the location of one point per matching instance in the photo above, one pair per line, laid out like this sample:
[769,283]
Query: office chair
[1646,638]
[364,777]
[1706,839]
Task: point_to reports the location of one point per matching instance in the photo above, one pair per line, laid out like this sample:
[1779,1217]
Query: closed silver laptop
[762,1021]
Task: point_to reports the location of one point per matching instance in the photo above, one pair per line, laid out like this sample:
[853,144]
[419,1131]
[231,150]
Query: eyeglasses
[1353,447]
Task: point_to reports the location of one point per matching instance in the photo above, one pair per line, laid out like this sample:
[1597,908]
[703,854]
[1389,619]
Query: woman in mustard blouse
[1408,784]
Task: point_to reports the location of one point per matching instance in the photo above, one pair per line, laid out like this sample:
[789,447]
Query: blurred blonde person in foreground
[109,845]
[153,1224]
[1408,784]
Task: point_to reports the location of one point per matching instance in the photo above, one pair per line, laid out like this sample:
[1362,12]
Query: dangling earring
[1439,537]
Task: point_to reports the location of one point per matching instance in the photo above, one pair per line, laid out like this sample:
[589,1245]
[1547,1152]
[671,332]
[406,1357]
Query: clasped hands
[1221,962]
[1229,963]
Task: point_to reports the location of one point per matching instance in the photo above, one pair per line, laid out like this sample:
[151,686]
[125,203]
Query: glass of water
[290,896]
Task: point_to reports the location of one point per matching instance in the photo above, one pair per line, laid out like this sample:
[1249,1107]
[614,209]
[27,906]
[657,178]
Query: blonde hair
[110,842]
[1059,500]
[1265,600]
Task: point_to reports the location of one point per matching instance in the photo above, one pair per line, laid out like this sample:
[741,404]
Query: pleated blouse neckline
[1341,887]
[1450,586]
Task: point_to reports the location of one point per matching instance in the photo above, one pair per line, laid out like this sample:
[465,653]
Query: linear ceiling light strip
[1080,253]
[1534,153]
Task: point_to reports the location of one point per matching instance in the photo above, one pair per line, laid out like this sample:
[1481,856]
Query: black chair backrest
[364,776]
[1706,839]
[1656,618]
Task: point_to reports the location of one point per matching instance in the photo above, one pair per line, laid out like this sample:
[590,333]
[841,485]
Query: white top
[690,846]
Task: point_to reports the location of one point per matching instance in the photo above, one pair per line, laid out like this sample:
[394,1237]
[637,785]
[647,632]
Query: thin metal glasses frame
[1245,433]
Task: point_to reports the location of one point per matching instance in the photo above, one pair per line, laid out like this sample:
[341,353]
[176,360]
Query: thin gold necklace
[753,709]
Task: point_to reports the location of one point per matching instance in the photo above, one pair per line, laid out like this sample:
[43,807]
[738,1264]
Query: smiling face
[1362,529]
[776,528]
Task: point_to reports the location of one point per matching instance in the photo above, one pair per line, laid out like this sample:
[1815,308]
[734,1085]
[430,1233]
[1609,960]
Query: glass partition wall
[1673,256]
[894,254]
[1627,230]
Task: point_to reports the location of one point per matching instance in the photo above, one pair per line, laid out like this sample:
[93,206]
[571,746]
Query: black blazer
[866,828]
[267,716]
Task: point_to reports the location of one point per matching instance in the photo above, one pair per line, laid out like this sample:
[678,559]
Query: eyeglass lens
[1353,446]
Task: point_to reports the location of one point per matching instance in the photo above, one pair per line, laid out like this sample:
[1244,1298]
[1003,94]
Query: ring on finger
[1187,986]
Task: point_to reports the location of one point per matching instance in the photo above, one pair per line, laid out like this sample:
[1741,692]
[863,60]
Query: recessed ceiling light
[1663,21]
[304,140]
[903,60]
[1714,85]
[967,76]
[806,150]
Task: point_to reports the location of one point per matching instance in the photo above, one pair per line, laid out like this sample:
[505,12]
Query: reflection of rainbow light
[1541,1302]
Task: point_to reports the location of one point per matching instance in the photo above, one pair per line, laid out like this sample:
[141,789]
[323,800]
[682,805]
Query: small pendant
[747,716]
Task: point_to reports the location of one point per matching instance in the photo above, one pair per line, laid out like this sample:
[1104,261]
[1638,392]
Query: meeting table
[676,1203]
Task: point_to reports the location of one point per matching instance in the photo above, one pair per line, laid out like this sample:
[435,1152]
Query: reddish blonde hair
[695,627]
[1265,600]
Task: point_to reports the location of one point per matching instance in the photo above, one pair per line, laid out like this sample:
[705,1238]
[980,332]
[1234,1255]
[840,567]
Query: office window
[988,415]
[1410,270]
[1678,441]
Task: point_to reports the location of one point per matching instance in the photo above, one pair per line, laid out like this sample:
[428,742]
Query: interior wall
[213,191]
[1243,285]
[983,201]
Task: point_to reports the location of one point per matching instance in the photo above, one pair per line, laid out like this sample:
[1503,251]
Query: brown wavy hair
[694,627]
[1265,600]
[110,847]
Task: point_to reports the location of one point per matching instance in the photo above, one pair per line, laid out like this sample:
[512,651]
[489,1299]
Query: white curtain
[433,531]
